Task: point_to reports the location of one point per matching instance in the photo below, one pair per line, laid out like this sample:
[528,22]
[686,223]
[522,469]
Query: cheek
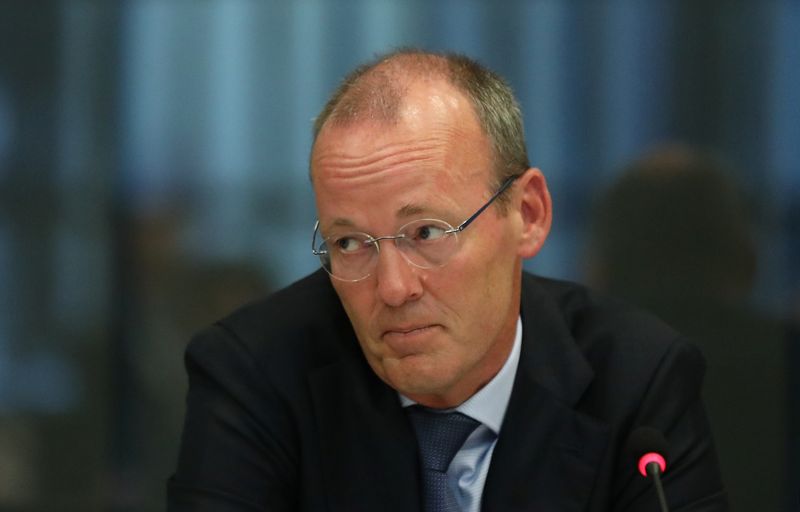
[468,292]
[485,287]
[356,302]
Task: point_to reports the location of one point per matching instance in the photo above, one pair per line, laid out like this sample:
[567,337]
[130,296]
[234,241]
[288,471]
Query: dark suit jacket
[284,413]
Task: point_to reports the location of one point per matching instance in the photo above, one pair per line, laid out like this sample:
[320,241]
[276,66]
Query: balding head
[376,91]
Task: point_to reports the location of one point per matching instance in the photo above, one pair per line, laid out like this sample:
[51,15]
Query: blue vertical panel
[146,114]
[6,307]
[342,42]
[231,86]
[228,165]
[782,139]
[305,74]
[194,155]
[546,92]
[784,98]
[635,81]
[7,286]
[76,91]
[463,27]
[80,257]
[271,97]
[783,147]
[540,85]
[288,61]
[6,140]
[744,54]
[6,127]
[188,85]
[429,24]
[386,24]
[7,281]
[505,36]
[34,375]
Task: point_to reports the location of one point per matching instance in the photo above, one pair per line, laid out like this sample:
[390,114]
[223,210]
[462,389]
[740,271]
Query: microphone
[648,447]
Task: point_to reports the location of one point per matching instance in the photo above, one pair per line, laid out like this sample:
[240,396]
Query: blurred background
[153,176]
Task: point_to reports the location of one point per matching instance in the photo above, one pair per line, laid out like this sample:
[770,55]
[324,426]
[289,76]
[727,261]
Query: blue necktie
[439,436]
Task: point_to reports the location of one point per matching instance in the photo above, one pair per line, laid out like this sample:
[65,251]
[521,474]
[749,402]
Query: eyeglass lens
[425,243]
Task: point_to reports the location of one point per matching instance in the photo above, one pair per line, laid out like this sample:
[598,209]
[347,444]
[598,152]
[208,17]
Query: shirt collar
[489,404]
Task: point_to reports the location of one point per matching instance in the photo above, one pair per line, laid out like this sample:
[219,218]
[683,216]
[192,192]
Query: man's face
[436,335]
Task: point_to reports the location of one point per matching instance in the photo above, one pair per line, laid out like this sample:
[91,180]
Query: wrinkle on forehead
[341,164]
[355,154]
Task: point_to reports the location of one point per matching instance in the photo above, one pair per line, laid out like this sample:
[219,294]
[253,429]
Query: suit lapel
[368,452]
[547,453]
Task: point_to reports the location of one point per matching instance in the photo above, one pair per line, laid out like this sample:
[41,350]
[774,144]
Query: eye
[428,232]
[348,244]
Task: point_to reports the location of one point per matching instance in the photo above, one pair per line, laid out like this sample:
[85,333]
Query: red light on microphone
[649,458]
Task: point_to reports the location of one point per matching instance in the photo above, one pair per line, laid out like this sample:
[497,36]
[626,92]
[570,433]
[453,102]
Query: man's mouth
[407,332]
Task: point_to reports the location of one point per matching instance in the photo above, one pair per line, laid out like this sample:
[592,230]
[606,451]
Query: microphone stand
[655,471]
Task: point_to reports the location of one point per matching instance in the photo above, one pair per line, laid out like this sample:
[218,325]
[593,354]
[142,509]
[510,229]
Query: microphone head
[646,445]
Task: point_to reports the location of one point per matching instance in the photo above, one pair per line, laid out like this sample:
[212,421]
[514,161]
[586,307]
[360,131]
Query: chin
[411,378]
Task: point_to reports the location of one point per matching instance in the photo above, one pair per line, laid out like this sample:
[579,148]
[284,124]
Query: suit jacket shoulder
[300,327]
[283,413]
[620,345]
[591,371]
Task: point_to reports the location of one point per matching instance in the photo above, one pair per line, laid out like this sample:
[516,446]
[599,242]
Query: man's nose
[398,281]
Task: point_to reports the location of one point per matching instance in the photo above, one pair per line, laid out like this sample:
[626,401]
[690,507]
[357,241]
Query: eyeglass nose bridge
[406,250]
[373,240]
[401,248]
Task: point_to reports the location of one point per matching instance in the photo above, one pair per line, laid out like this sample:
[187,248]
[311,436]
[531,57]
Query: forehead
[436,128]
[403,175]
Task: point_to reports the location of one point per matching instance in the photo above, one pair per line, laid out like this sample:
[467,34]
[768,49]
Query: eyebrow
[409,210]
[406,211]
[340,222]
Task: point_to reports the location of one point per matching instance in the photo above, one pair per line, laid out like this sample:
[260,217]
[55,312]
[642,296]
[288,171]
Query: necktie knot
[439,435]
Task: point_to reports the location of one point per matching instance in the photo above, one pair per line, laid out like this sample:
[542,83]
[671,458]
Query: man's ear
[536,211]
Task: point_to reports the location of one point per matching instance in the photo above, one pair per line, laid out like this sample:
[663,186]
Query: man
[341,391]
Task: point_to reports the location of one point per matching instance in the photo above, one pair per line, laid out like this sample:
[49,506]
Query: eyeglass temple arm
[461,227]
[314,251]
